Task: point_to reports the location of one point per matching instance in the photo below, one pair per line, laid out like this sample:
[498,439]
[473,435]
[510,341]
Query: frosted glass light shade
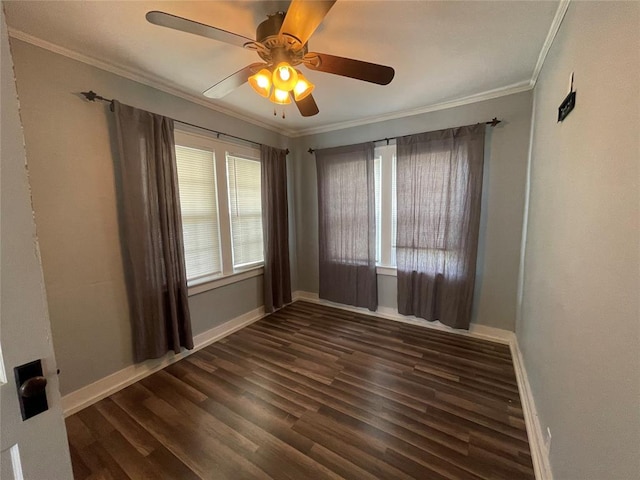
[261,82]
[285,77]
[303,88]
[280,97]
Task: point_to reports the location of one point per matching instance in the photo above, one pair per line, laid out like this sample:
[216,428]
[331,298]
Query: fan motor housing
[270,27]
[273,47]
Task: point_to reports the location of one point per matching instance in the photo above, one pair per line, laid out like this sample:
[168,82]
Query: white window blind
[245,210]
[198,201]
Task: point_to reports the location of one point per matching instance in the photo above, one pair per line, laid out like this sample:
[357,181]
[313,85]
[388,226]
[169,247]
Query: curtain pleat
[151,232]
[347,225]
[275,227]
[439,188]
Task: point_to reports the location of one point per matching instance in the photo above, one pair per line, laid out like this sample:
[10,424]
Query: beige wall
[579,327]
[71,163]
[502,200]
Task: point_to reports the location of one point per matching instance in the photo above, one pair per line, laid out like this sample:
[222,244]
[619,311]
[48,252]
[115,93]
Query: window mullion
[223,210]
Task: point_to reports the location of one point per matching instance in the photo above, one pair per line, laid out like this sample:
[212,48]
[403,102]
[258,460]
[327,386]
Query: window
[438,206]
[338,184]
[386,211]
[243,177]
[220,198]
[199,204]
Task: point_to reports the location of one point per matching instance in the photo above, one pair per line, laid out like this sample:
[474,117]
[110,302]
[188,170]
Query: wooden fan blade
[304,16]
[189,26]
[233,81]
[307,106]
[347,67]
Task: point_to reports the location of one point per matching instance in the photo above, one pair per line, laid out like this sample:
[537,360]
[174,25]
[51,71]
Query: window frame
[385,257]
[220,149]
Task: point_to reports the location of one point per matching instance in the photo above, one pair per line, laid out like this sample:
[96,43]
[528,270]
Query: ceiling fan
[281,42]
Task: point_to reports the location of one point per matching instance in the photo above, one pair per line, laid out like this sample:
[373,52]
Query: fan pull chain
[275,113]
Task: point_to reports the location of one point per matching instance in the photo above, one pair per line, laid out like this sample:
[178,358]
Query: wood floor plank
[349,448]
[80,468]
[315,392]
[141,440]
[129,459]
[202,453]
[338,464]
[79,434]
[170,465]
[100,462]
[413,468]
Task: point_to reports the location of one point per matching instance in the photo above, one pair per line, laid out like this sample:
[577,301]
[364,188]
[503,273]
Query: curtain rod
[493,123]
[93,96]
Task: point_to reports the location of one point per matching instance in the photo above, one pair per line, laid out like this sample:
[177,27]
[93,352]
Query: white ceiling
[441,51]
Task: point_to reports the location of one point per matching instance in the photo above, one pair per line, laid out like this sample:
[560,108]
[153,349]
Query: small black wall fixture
[567,104]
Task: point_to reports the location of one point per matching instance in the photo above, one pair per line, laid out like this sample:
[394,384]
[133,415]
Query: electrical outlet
[547,441]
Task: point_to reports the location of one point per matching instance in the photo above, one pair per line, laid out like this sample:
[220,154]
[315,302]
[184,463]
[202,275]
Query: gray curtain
[275,228]
[347,225]
[439,188]
[151,232]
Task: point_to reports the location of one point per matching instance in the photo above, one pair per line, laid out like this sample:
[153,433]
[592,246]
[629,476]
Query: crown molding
[174,89]
[477,97]
[563,5]
[551,35]
[140,77]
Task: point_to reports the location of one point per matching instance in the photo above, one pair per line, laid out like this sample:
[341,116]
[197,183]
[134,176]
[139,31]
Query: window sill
[210,284]
[388,271]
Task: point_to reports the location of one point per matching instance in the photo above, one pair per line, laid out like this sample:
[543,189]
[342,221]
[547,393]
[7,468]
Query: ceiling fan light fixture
[281,97]
[303,88]
[261,82]
[285,77]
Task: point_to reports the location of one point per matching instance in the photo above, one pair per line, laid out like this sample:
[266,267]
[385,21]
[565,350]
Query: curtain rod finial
[90,95]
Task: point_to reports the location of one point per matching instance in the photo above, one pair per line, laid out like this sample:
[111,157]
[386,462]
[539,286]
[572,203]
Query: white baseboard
[309,296]
[86,396]
[478,331]
[539,453]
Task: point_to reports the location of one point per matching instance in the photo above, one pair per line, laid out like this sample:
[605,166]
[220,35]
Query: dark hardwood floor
[313,392]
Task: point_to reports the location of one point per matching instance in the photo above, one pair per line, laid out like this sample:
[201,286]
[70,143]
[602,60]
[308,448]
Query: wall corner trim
[548,41]
[94,392]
